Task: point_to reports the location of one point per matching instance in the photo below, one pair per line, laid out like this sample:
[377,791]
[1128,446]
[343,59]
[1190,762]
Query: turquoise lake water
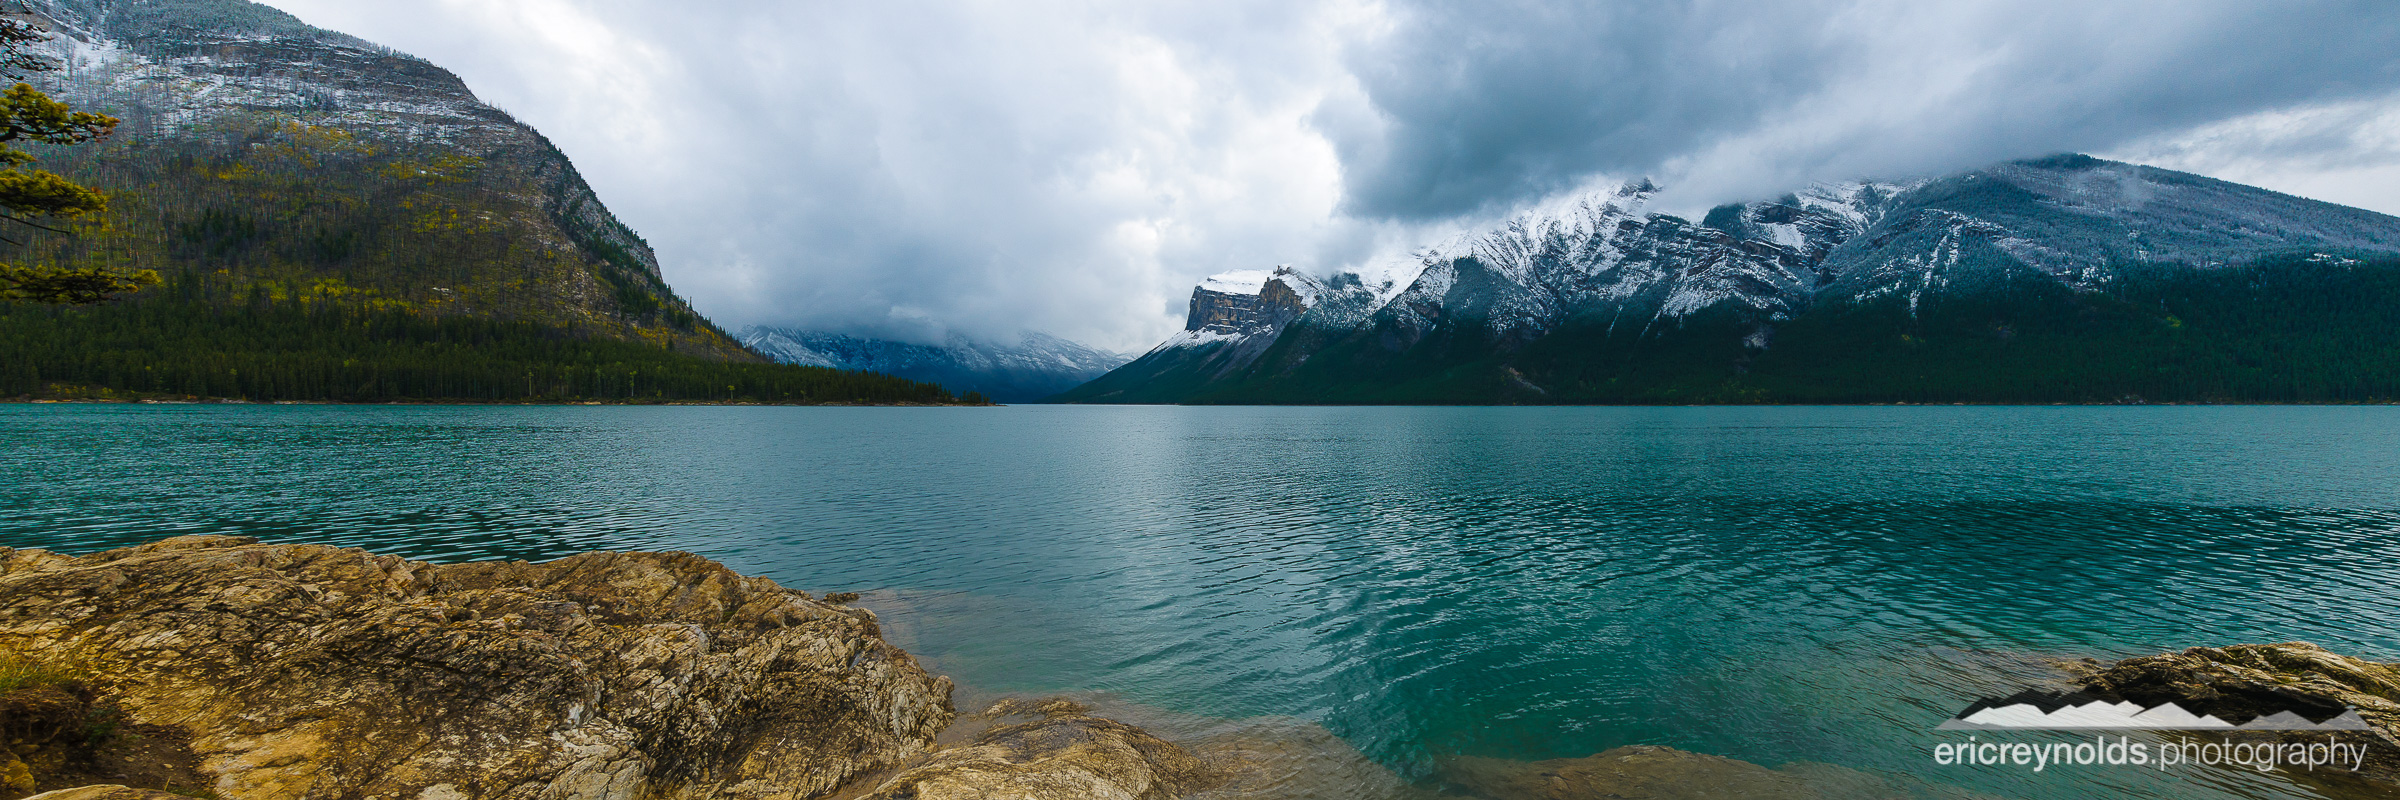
[1766,584]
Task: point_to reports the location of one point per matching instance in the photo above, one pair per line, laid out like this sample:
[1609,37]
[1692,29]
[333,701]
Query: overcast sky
[908,169]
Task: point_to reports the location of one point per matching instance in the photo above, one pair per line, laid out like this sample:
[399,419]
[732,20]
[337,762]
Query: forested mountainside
[2065,279]
[1035,367]
[302,190]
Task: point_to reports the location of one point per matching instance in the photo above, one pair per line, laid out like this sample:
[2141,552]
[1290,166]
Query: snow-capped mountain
[1606,254]
[1036,367]
[1481,319]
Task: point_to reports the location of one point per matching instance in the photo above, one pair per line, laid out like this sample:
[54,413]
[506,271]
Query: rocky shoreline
[218,666]
[313,671]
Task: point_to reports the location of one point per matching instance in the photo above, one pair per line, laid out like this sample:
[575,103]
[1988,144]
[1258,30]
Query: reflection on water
[1773,585]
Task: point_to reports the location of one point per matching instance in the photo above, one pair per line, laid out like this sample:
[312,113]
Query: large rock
[311,671]
[2246,681]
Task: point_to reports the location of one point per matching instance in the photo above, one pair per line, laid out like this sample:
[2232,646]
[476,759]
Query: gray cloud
[909,169]
[2346,153]
[1477,104]
[1481,104]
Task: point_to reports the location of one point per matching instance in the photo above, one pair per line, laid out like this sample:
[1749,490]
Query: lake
[1774,585]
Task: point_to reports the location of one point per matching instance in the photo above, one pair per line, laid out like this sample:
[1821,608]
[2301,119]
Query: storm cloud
[911,169]
[1474,105]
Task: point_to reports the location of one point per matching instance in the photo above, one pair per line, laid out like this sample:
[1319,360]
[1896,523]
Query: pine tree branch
[23,221]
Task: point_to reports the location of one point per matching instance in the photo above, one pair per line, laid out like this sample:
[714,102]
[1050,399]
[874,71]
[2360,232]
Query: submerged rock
[110,792]
[1282,758]
[1245,758]
[2246,681]
[312,671]
[1060,754]
[1645,772]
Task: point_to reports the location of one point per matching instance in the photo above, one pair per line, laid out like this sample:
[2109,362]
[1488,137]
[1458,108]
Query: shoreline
[237,402]
[668,675]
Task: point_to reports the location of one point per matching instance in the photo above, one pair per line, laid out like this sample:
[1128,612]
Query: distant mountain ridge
[238,116]
[1857,292]
[1036,367]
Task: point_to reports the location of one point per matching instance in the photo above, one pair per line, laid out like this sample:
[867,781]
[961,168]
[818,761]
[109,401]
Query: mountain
[1036,367]
[2064,279]
[334,220]
[283,158]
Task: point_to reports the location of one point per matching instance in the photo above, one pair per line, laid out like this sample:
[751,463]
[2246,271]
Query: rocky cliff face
[1250,302]
[1235,316]
[229,106]
[1611,270]
[1035,367]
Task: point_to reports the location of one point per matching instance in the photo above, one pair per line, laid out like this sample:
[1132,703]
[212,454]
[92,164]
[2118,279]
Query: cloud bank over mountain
[914,169]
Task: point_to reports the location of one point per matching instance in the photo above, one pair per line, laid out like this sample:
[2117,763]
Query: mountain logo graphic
[2077,711]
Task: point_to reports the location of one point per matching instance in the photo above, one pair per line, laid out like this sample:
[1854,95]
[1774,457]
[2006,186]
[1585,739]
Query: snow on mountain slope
[175,65]
[2079,219]
[1606,256]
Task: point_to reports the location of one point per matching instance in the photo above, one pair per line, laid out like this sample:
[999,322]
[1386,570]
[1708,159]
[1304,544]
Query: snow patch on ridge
[1196,339]
[1240,281]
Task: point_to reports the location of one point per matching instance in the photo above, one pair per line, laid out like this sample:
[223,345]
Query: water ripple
[1772,585]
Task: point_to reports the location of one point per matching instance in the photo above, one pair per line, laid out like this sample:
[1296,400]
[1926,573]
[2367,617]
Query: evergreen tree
[31,197]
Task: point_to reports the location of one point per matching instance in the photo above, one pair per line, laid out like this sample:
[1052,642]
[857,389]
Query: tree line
[171,346]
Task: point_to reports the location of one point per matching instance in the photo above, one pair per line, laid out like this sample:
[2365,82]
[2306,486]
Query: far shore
[219,401]
[658,402]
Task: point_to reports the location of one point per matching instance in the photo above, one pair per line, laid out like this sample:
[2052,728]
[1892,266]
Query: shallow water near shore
[1430,585]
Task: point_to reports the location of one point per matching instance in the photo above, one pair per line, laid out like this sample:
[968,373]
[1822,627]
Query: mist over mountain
[1034,367]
